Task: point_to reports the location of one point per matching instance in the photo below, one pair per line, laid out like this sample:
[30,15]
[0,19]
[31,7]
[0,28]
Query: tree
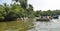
[16,11]
[2,13]
[6,9]
[49,12]
[38,13]
[29,11]
[15,0]
[23,3]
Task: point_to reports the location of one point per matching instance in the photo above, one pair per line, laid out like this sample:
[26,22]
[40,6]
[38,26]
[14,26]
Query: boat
[55,17]
[44,18]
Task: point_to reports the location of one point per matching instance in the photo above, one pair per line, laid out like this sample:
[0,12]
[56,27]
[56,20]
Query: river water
[52,25]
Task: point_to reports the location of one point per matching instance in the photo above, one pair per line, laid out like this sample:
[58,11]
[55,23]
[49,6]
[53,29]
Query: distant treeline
[16,10]
[47,13]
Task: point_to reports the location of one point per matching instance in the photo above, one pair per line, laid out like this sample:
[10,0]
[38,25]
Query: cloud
[45,4]
[40,4]
[5,1]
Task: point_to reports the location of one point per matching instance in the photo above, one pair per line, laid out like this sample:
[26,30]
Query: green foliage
[14,11]
[23,3]
[29,11]
[2,13]
[38,13]
[48,12]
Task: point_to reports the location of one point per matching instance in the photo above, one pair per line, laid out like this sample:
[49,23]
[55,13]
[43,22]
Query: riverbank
[16,25]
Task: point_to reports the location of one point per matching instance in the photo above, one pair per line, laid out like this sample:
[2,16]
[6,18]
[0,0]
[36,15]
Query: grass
[16,25]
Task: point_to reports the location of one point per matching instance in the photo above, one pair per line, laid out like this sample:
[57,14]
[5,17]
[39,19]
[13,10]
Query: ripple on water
[53,25]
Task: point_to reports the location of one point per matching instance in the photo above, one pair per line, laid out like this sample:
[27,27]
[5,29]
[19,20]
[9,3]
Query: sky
[5,1]
[40,4]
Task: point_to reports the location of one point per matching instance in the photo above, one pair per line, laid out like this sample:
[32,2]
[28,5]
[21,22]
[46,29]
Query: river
[52,25]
